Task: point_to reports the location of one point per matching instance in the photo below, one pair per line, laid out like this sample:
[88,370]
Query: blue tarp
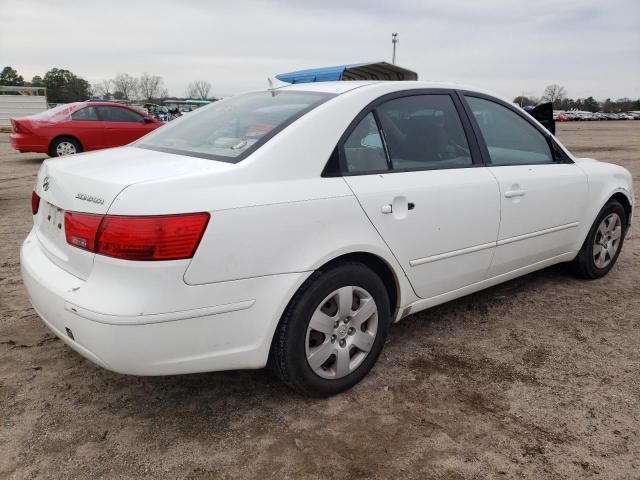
[356,71]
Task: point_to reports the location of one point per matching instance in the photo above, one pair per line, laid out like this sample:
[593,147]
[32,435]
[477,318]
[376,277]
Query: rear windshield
[230,130]
[59,111]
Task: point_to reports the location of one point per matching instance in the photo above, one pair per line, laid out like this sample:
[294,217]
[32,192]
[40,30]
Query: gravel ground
[535,378]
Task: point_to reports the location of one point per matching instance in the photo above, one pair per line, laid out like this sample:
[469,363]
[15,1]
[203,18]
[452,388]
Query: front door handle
[514,193]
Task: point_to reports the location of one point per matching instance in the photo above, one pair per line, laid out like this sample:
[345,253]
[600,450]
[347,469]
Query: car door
[542,192]
[85,125]
[415,170]
[122,125]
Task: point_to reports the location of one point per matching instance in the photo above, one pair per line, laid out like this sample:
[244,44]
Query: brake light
[35,203]
[169,237]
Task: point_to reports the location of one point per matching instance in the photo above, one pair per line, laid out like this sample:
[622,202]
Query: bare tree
[163,93]
[554,93]
[199,89]
[126,84]
[150,86]
[103,89]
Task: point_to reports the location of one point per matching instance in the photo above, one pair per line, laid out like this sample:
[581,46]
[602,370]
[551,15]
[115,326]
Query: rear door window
[424,132]
[85,114]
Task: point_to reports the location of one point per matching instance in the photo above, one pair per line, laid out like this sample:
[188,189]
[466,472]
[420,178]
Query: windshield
[59,111]
[230,130]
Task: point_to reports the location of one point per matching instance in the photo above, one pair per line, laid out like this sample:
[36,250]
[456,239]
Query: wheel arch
[619,194]
[624,200]
[380,266]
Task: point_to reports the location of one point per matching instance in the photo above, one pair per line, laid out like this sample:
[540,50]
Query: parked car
[290,227]
[79,127]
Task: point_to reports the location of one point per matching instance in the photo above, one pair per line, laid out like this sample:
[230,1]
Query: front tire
[64,146]
[332,331]
[602,246]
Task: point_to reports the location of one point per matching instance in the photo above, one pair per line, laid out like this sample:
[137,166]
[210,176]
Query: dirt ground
[536,378]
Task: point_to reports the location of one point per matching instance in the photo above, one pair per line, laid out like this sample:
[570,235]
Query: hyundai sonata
[290,227]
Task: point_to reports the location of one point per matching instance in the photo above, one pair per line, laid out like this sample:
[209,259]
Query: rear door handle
[514,193]
[386,209]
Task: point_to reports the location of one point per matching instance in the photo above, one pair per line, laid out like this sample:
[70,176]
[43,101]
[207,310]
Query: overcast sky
[592,47]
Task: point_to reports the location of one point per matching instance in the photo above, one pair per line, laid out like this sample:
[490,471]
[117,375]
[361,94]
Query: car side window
[363,149]
[118,114]
[510,139]
[85,114]
[424,132]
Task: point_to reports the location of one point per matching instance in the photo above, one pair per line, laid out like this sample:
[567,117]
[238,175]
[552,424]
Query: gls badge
[90,198]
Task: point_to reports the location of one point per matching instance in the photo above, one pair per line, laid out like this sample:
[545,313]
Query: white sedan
[290,227]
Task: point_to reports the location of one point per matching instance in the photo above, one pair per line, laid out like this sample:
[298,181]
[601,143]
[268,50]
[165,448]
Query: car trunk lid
[89,184]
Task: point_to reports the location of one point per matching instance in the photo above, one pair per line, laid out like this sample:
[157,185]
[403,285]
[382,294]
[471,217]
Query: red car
[80,127]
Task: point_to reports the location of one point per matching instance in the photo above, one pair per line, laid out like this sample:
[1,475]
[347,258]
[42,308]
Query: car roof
[105,104]
[343,86]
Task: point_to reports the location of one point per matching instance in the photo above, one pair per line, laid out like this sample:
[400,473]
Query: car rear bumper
[227,335]
[28,143]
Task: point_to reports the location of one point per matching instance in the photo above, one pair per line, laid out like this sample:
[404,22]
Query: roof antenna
[271,88]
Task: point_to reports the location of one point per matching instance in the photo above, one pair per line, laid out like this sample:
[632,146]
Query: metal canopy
[356,71]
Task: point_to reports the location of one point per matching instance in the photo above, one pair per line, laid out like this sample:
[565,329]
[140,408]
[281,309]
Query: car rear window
[60,111]
[229,130]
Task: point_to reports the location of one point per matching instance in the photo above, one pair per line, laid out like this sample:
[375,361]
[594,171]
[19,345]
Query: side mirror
[149,120]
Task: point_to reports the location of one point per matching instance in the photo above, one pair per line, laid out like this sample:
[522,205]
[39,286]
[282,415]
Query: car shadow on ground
[197,390]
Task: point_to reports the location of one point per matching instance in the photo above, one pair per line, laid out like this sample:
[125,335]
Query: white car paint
[536,199]
[446,245]
[274,221]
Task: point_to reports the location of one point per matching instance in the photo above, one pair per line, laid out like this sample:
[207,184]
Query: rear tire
[349,306]
[603,244]
[64,146]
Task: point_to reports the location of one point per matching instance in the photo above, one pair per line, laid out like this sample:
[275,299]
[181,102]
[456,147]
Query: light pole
[394,41]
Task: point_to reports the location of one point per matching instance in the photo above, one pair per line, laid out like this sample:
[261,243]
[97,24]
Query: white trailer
[20,102]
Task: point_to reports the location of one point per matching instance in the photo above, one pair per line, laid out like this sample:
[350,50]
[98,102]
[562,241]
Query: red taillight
[171,237]
[81,229]
[151,238]
[19,126]
[35,202]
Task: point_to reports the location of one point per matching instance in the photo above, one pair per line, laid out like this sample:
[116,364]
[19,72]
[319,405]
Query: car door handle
[386,209]
[514,193]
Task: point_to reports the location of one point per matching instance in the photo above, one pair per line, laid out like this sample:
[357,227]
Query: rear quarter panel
[282,238]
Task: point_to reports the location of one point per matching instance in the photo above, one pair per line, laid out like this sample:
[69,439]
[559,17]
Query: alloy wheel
[607,240]
[66,148]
